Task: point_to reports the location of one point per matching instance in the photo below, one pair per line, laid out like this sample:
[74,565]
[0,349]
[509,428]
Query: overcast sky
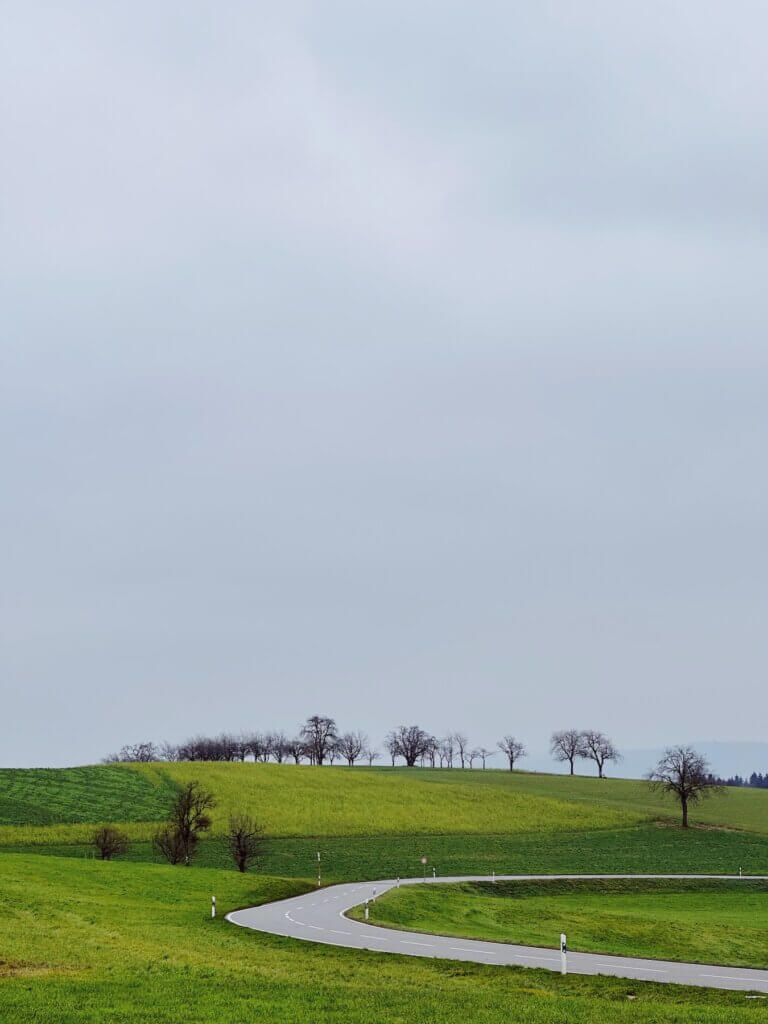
[404,362]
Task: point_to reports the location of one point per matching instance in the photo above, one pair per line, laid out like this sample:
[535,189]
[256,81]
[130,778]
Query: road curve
[320,916]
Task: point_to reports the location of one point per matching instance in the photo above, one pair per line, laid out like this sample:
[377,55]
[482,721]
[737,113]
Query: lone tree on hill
[109,842]
[187,820]
[245,840]
[686,774]
[513,748]
[319,735]
[595,746]
[566,745]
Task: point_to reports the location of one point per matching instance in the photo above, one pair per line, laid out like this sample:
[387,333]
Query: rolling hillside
[383,820]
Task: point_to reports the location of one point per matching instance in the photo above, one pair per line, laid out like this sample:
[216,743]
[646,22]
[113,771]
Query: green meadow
[702,921]
[85,941]
[132,940]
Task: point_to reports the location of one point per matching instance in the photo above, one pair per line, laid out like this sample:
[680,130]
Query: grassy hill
[338,801]
[381,821]
[84,942]
[129,941]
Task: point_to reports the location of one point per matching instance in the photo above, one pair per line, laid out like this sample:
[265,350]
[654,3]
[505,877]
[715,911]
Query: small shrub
[109,842]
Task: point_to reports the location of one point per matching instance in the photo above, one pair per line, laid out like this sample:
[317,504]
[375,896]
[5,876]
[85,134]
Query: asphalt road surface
[320,917]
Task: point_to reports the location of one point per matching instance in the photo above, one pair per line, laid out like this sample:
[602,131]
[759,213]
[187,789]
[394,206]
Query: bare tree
[319,735]
[513,748]
[371,755]
[598,748]
[167,841]
[240,747]
[447,751]
[259,746]
[169,751]
[461,741]
[685,774]
[566,745]
[472,756]
[134,752]
[278,746]
[334,753]
[390,742]
[109,842]
[188,819]
[352,745]
[295,749]
[484,754]
[412,741]
[245,840]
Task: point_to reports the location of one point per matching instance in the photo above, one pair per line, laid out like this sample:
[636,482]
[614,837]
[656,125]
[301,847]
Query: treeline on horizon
[319,741]
[755,781]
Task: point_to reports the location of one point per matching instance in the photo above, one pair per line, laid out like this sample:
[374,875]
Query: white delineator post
[213,906]
[563,953]
[366,910]
[318,868]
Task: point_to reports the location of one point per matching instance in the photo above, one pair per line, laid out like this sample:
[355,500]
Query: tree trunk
[571,761]
[684,804]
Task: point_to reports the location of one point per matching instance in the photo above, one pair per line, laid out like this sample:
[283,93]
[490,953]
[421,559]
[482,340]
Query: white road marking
[632,967]
[337,932]
[463,949]
[733,977]
[405,942]
[316,927]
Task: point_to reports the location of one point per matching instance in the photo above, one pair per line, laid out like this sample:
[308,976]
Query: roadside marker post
[318,869]
[493,877]
[563,953]
[366,910]
[433,874]
[213,906]
[424,866]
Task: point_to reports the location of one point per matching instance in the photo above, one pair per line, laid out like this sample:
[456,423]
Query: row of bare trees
[588,744]
[319,741]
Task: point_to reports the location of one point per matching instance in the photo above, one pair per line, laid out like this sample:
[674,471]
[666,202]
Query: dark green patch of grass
[643,850]
[94,793]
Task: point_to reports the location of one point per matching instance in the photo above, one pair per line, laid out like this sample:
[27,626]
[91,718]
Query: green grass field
[699,921]
[46,796]
[131,940]
[84,942]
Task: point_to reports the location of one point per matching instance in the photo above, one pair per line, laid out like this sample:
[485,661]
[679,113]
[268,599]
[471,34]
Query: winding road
[320,916]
